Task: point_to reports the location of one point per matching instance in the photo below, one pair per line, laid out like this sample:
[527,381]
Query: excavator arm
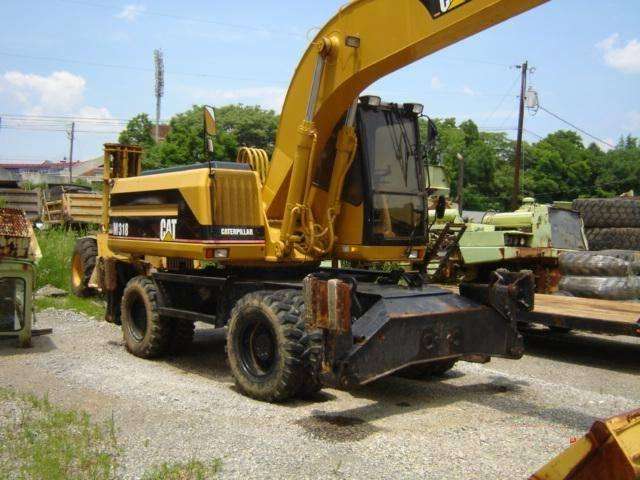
[365,41]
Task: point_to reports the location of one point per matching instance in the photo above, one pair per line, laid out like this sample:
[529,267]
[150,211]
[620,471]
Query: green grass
[55,269]
[41,441]
[92,307]
[57,246]
[191,470]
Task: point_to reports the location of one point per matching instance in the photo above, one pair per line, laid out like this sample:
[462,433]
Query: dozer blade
[402,326]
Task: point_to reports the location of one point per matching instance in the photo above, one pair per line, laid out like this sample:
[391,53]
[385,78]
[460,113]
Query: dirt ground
[500,420]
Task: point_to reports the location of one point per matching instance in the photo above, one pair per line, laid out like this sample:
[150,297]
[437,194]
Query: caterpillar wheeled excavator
[240,244]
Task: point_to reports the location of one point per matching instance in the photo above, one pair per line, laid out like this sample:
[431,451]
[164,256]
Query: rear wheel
[146,334]
[265,345]
[83,262]
[434,369]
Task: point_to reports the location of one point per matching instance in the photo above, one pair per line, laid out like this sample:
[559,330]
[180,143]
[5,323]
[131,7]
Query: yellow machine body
[232,243]
[279,211]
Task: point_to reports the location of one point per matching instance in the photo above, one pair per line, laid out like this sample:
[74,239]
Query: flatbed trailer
[608,317]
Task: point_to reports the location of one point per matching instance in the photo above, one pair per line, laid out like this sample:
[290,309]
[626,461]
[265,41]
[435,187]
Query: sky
[92,60]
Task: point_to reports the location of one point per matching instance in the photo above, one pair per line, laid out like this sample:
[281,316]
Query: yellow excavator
[239,244]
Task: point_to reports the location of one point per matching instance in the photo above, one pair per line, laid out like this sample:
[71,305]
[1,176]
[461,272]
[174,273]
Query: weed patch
[91,307]
[41,441]
[191,470]
[57,246]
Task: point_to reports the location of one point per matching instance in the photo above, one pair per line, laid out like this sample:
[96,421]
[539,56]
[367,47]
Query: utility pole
[158,59]
[515,200]
[71,139]
[460,198]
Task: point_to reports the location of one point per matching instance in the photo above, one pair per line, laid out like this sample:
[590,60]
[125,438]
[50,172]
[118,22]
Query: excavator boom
[363,42]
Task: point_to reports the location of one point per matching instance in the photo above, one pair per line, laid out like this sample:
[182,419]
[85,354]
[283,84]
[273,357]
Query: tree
[557,167]
[138,132]
[251,126]
[238,125]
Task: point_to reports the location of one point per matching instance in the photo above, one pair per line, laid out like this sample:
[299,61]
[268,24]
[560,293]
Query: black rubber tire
[609,212]
[280,316]
[435,369]
[181,336]
[590,265]
[146,334]
[83,262]
[608,288]
[631,256]
[613,238]
[311,343]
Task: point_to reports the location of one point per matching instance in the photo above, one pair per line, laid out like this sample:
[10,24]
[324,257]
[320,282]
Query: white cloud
[467,90]
[60,93]
[436,83]
[131,12]
[625,58]
[266,97]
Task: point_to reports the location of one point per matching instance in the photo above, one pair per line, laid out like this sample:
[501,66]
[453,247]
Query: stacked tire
[611,223]
[607,274]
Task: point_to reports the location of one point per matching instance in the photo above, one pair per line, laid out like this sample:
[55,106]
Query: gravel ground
[500,420]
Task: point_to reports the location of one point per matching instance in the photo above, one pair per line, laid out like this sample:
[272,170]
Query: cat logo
[168,229]
[438,8]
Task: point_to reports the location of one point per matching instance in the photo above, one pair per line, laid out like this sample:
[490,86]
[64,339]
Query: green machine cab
[19,252]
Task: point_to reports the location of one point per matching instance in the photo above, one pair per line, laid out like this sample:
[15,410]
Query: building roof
[47,165]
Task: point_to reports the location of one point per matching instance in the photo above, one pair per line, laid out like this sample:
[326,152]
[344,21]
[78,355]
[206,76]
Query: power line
[259,29]
[515,80]
[534,134]
[206,75]
[576,128]
[68,118]
[34,129]
[469,60]
[131,67]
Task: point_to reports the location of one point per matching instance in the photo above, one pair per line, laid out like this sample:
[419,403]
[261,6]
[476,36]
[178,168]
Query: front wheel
[265,345]
[146,334]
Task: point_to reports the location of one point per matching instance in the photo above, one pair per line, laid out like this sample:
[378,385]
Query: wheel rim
[76,271]
[138,316]
[258,347]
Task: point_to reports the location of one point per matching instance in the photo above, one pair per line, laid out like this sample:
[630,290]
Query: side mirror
[209,121]
[209,127]
[441,207]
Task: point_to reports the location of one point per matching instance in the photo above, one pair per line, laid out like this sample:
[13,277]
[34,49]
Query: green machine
[19,252]
[530,238]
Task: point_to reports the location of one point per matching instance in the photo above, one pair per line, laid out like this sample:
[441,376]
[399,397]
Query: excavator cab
[385,187]
[390,161]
